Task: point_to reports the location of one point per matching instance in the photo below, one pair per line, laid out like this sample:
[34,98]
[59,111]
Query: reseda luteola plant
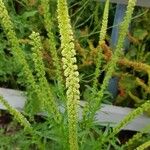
[23,122]
[135,138]
[113,62]
[36,100]
[70,71]
[132,115]
[17,115]
[144,146]
[20,57]
[101,41]
[89,108]
[47,98]
[39,86]
[52,43]
[122,34]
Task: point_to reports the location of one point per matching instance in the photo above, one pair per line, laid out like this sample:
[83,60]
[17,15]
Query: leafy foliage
[49,69]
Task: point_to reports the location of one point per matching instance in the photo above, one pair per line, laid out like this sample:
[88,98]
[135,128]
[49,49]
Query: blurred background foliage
[86,16]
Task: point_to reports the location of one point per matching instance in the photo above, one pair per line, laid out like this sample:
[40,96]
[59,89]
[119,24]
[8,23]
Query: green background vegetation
[46,52]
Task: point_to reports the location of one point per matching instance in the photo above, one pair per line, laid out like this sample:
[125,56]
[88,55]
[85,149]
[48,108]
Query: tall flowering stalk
[132,115]
[138,111]
[33,93]
[51,40]
[47,98]
[135,138]
[144,146]
[115,58]
[70,71]
[101,41]
[112,64]
[17,115]
[89,109]
[23,122]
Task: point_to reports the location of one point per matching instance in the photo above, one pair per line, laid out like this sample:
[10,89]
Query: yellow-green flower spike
[132,115]
[135,138]
[101,40]
[47,98]
[104,23]
[20,57]
[98,60]
[51,39]
[144,146]
[70,71]
[21,119]
[112,64]
[17,115]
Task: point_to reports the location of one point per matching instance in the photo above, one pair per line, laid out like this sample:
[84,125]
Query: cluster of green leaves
[59,96]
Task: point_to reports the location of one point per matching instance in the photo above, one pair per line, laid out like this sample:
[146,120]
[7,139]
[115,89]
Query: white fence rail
[107,115]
